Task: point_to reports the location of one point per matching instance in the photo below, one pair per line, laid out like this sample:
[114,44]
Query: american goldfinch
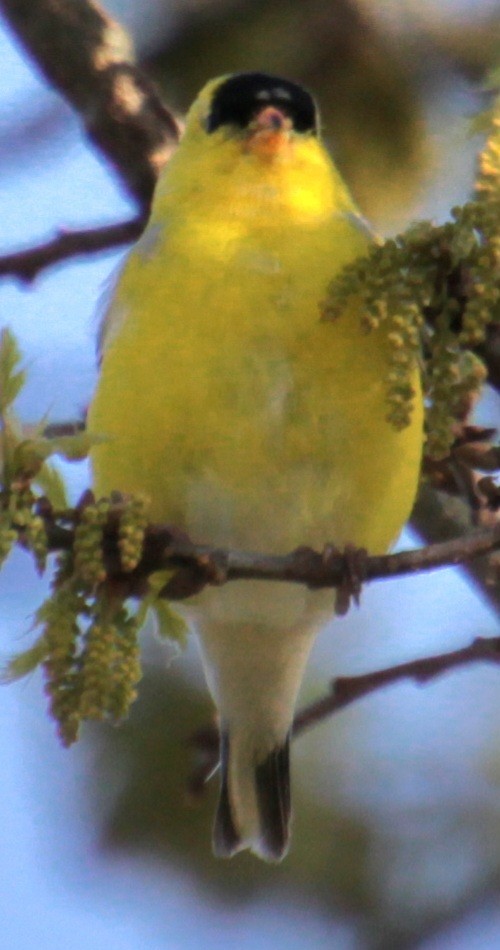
[248,420]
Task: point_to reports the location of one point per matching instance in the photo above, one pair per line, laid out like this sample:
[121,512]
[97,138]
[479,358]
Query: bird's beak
[269,133]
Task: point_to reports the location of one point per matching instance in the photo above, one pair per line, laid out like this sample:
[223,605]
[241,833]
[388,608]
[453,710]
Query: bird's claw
[354,575]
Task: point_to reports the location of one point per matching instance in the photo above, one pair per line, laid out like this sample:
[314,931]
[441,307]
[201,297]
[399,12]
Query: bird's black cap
[240,97]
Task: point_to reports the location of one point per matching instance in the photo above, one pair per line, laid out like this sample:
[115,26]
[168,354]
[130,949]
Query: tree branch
[27,264]
[344,691]
[347,689]
[329,569]
[88,58]
[198,564]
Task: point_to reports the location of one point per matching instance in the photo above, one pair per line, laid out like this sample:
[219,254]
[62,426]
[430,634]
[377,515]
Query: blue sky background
[429,746]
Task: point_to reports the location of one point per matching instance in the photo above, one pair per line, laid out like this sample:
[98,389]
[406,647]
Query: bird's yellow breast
[245,418]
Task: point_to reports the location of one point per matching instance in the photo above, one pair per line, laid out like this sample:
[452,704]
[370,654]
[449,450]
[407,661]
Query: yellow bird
[247,420]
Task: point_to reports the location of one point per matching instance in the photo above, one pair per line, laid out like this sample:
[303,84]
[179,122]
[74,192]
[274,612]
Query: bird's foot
[200,570]
[354,574]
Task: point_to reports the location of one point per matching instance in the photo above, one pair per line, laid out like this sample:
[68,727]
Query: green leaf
[51,483]
[31,453]
[169,624]
[23,663]
[28,456]
[12,379]
[76,447]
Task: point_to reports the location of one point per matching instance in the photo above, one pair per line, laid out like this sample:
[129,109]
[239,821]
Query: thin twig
[27,264]
[344,691]
[347,689]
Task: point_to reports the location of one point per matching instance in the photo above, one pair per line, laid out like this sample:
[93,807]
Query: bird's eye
[239,98]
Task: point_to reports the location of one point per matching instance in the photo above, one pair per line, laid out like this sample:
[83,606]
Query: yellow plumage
[247,420]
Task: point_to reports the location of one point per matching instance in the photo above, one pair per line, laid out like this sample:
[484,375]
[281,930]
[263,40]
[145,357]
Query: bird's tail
[254,802]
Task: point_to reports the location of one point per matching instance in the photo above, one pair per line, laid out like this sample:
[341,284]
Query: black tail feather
[272,785]
[268,832]
[226,840]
